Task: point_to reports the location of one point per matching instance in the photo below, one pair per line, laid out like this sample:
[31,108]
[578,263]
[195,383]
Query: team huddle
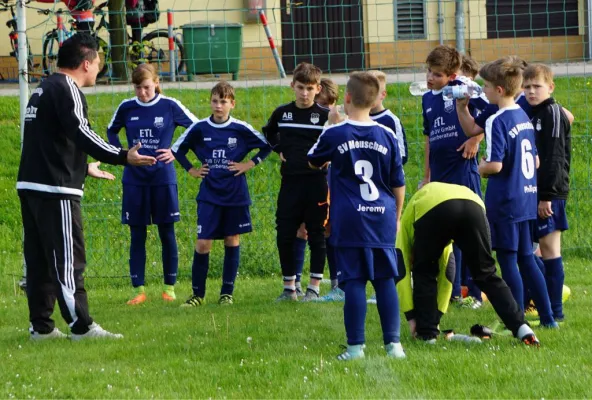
[342,192]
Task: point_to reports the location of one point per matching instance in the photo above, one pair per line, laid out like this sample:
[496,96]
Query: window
[531,18]
[410,19]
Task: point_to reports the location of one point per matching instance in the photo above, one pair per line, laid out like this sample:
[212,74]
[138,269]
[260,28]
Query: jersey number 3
[364,170]
[528,166]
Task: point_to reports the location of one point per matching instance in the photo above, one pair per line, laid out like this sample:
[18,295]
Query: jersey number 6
[364,170]
[528,166]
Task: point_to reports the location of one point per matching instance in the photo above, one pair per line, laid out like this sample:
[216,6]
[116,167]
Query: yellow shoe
[139,299]
[169,296]
[531,312]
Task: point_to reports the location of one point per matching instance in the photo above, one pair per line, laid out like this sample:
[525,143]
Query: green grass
[173,352]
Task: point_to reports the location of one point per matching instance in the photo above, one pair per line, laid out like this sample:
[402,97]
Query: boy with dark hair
[510,200]
[220,142]
[292,129]
[553,142]
[367,192]
[447,158]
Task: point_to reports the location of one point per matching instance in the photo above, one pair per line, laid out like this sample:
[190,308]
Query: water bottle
[465,338]
[460,92]
[418,88]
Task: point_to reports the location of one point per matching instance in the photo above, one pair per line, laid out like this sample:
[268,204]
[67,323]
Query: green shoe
[193,301]
[225,300]
[354,352]
[470,302]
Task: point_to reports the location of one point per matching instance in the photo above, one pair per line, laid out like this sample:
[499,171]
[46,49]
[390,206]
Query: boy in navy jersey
[292,130]
[553,141]
[220,142]
[367,194]
[150,193]
[445,141]
[511,198]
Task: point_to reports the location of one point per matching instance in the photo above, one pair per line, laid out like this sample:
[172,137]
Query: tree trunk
[118,36]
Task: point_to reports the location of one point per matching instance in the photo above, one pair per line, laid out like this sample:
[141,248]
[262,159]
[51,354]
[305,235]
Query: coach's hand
[165,155]
[545,210]
[240,168]
[135,158]
[94,171]
[201,172]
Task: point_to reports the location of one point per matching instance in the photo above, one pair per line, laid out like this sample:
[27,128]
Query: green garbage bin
[213,48]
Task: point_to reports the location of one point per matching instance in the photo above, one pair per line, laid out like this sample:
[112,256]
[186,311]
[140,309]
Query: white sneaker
[96,332]
[395,350]
[55,334]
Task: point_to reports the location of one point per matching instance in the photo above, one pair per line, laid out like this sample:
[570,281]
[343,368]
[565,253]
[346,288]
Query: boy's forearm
[399,193]
[467,122]
[490,168]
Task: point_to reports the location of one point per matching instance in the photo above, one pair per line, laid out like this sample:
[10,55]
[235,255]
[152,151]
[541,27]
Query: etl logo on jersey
[232,143]
[158,122]
[287,116]
[315,118]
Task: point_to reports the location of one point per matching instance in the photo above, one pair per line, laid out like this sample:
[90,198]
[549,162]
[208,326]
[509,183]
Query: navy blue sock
[456,289]
[508,261]
[231,261]
[474,291]
[331,261]
[555,277]
[170,254]
[535,281]
[299,249]
[354,311]
[387,302]
[137,260]
[199,273]
[527,295]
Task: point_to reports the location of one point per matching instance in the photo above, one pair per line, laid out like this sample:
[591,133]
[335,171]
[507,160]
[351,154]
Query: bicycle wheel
[49,59]
[157,43]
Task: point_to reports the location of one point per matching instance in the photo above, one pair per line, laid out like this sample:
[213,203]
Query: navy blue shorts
[365,263]
[145,205]
[556,222]
[217,222]
[517,236]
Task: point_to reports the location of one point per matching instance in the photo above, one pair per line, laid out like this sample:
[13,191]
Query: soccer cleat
[55,334]
[310,295]
[299,292]
[225,300]
[531,312]
[96,332]
[470,302]
[354,352]
[139,299]
[372,299]
[552,325]
[335,294]
[169,296]
[531,340]
[193,301]
[395,350]
[287,295]
[456,300]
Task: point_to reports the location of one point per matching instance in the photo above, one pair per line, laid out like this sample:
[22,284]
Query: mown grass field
[177,353]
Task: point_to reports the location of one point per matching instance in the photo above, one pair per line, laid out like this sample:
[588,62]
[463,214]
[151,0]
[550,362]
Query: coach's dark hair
[77,49]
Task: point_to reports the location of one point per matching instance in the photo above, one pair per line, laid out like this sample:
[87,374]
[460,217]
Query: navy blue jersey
[390,120]
[512,193]
[216,145]
[491,109]
[365,166]
[441,124]
[152,124]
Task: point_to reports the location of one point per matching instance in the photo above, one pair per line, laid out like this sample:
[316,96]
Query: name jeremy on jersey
[361,144]
[362,208]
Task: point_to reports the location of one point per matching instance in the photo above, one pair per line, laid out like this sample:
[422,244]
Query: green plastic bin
[213,48]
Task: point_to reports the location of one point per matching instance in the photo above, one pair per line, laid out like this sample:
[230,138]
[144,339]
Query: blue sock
[137,260]
[555,277]
[231,261]
[299,249]
[508,261]
[354,311]
[535,281]
[456,289]
[199,273]
[387,302]
[527,295]
[170,254]
[474,291]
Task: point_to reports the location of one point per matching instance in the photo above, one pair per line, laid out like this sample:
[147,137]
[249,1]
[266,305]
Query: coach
[57,139]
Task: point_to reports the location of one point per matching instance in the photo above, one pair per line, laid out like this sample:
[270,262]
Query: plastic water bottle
[418,88]
[460,92]
[465,338]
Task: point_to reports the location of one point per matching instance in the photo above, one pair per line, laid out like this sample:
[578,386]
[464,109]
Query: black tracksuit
[51,175]
[292,131]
